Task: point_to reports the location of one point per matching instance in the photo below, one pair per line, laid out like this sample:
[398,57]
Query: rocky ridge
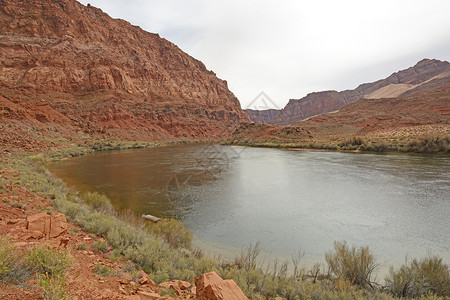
[404,118]
[262,116]
[427,74]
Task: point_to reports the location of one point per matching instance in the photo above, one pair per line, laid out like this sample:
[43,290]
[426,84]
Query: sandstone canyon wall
[262,116]
[71,71]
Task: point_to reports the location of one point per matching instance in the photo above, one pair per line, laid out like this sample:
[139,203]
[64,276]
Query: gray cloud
[290,48]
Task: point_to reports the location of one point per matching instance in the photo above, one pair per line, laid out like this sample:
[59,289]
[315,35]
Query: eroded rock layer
[69,70]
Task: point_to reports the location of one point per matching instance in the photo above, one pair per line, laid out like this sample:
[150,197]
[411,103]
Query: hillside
[71,72]
[397,121]
[427,74]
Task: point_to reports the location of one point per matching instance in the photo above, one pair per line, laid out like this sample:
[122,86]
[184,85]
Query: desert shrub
[17,205]
[53,286]
[354,141]
[51,265]
[49,261]
[103,270]
[173,232]
[420,278]
[74,229]
[430,145]
[248,258]
[98,201]
[81,246]
[12,266]
[353,264]
[101,246]
[128,266]
[115,255]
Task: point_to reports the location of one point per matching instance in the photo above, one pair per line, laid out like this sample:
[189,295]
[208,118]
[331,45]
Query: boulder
[39,222]
[211,286]
[49,226]
[206,279]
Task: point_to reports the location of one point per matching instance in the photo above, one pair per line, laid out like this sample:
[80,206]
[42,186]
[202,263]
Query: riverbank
[132,240]
[423,145]
[422,139]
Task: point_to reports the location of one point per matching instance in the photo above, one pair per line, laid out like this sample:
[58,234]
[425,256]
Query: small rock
[148,295]
[121,290]
[13,221]
[144,278]
[183,285]
[63,242]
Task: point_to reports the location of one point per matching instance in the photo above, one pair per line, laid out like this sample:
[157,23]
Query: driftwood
[151,218]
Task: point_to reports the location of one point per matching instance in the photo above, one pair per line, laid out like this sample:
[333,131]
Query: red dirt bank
[22,220]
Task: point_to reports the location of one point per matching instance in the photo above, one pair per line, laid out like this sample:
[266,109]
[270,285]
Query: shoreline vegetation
[164,249]
[424,145]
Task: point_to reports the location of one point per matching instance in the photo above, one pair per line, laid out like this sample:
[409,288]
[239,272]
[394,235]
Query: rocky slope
[28,221]
[409,81]
[262,116]
[70,71]
[405,118]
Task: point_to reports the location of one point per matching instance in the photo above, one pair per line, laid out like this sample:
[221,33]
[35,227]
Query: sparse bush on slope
[353,264]
[13,268]
[419,278]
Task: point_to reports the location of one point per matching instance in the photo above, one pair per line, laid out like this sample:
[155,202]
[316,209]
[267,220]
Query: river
[288,201]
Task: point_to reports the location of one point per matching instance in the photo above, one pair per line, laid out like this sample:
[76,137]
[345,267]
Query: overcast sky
[289,48]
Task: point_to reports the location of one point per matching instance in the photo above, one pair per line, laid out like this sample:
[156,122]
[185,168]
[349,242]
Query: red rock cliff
[71,70]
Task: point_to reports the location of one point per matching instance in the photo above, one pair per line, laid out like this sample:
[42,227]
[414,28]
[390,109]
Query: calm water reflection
[288,200]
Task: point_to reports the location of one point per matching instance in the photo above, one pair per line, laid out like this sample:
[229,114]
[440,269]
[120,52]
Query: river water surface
[287,200]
